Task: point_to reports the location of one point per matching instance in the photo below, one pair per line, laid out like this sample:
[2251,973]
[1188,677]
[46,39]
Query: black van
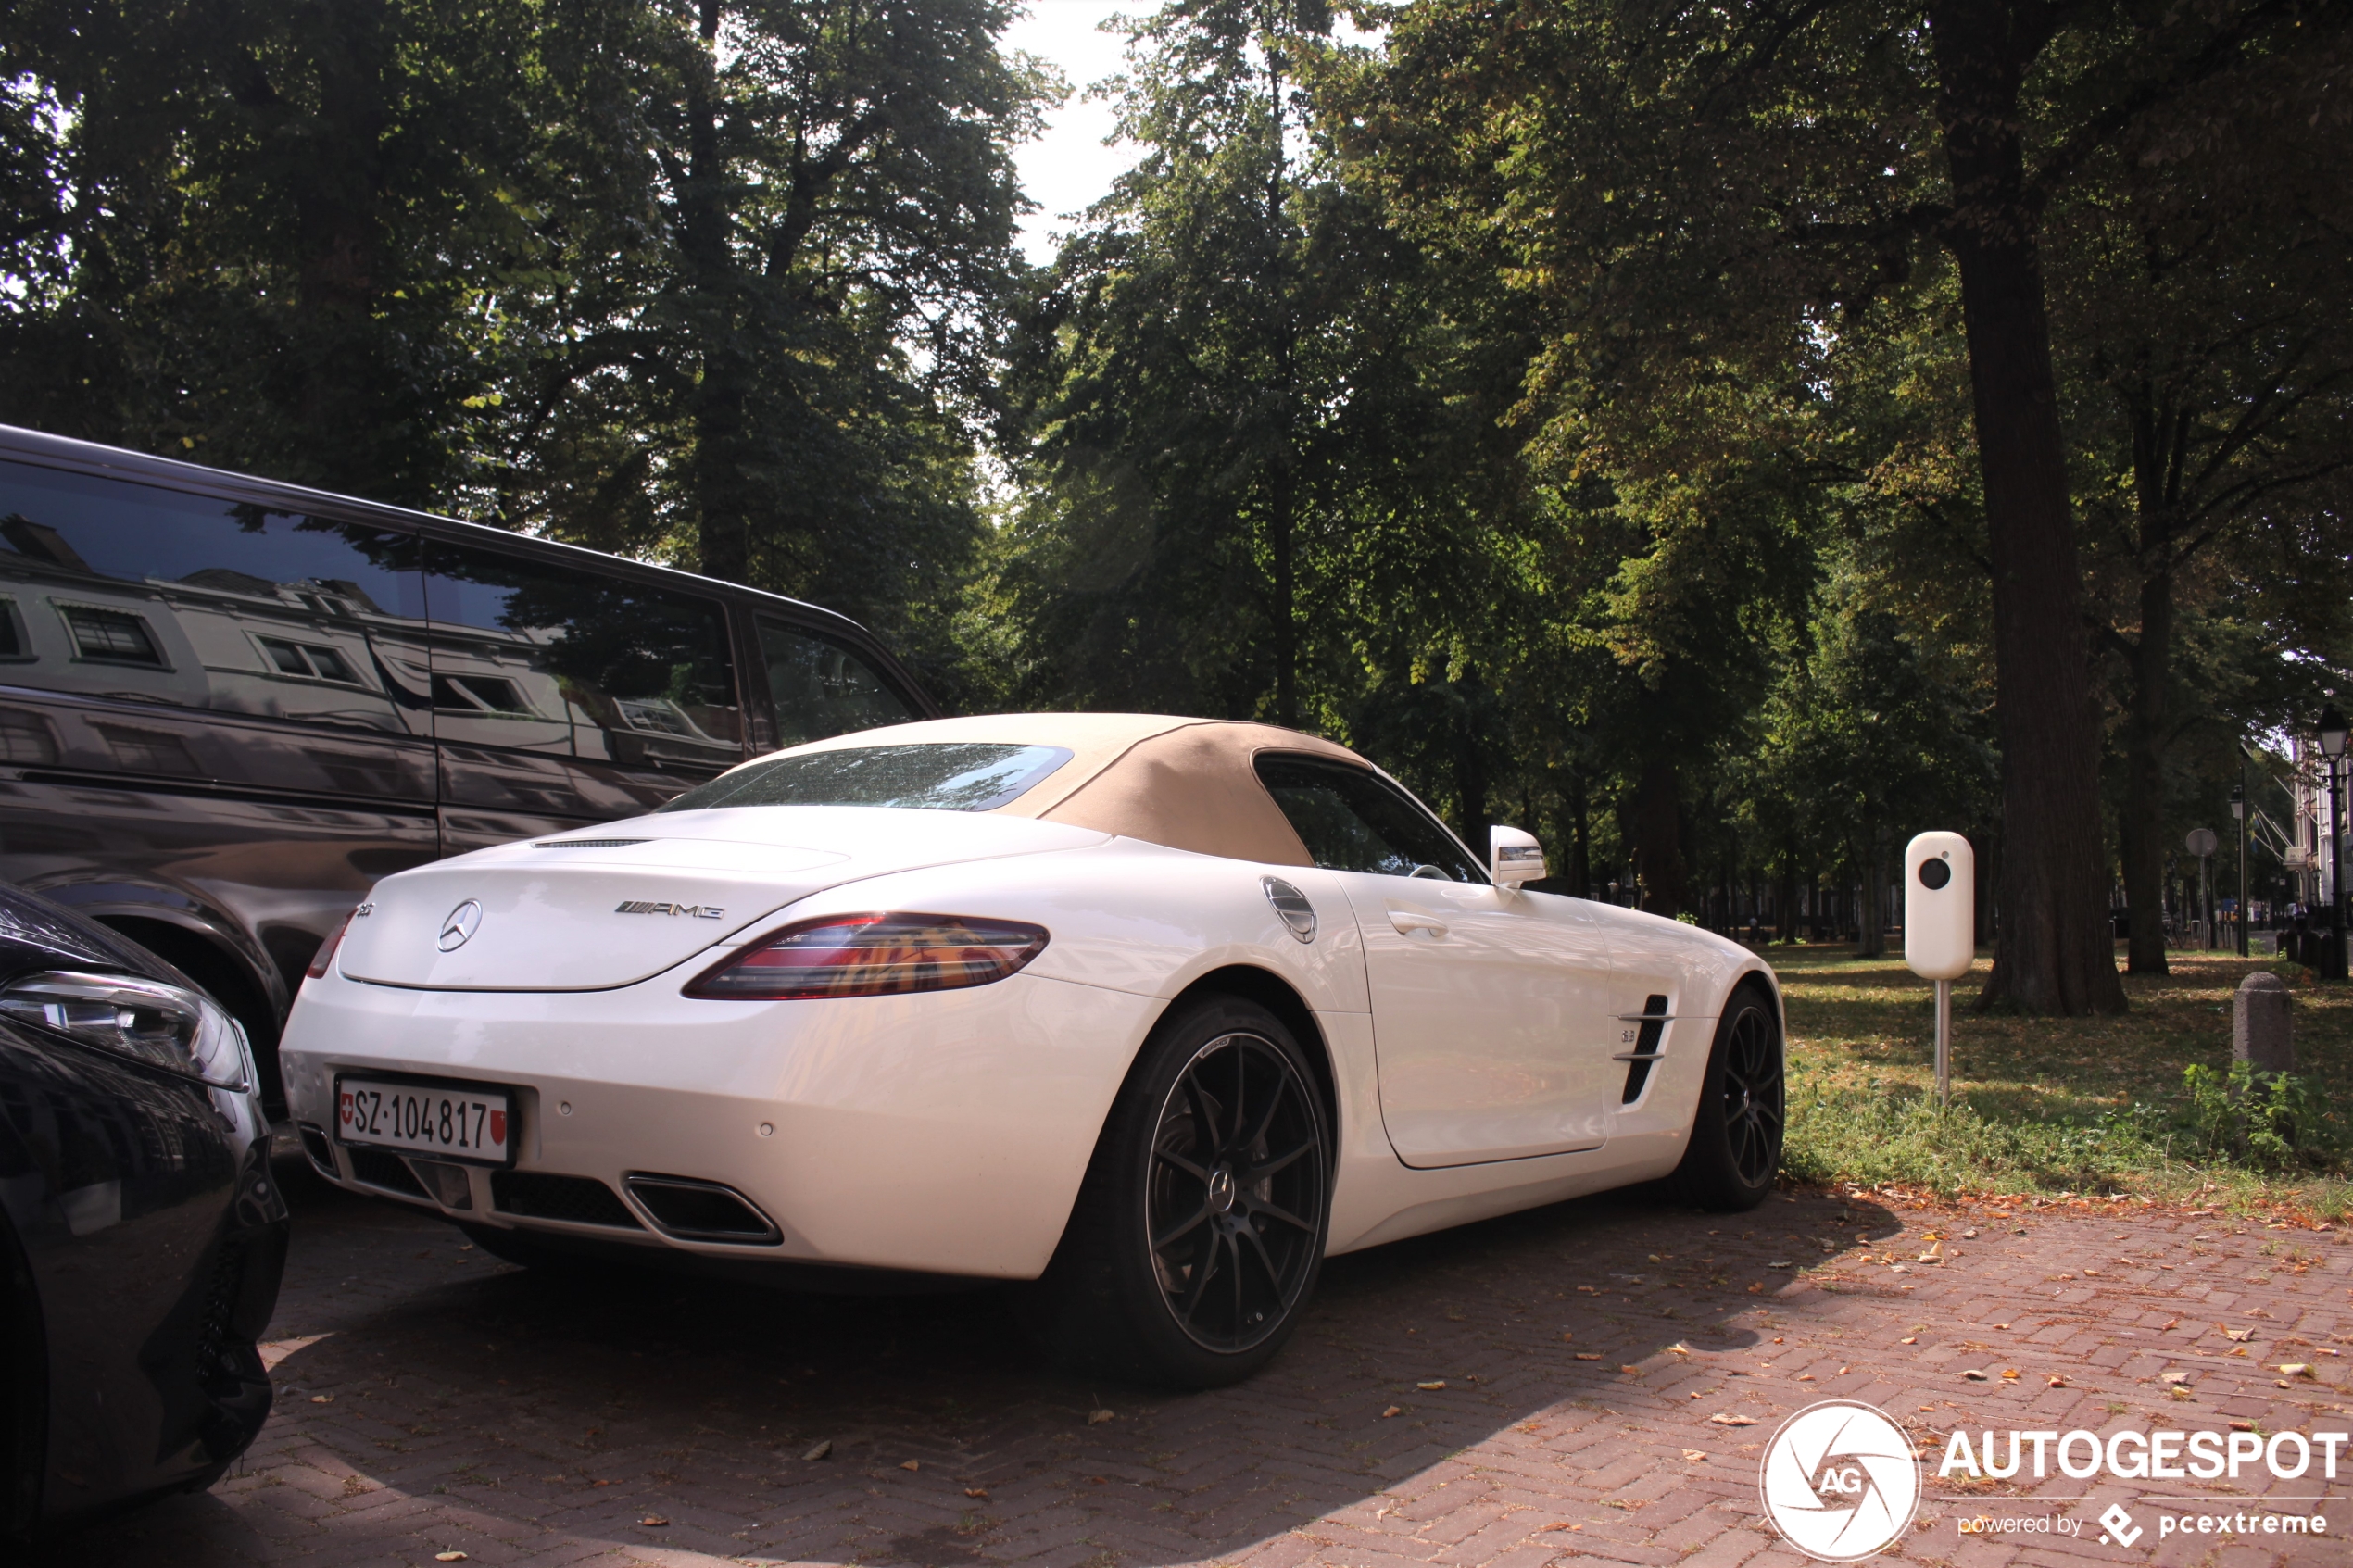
[228,705]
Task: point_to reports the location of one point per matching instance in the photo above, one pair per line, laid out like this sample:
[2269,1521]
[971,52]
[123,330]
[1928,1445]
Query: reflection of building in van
[227,707]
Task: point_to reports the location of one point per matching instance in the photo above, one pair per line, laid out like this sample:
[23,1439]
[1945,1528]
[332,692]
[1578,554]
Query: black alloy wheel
[1752,1091]
[1199,1232]
[1238,1171]
[1735,1148]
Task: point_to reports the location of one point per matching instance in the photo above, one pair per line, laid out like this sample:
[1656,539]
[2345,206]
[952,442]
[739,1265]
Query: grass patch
[2062,1104]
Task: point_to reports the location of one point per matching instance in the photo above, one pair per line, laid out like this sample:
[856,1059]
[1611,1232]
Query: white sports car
[1157,1012]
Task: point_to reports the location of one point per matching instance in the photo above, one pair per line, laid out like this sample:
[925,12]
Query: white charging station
[1940,929]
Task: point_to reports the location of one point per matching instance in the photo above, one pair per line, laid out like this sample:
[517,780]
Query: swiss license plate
[460,1122]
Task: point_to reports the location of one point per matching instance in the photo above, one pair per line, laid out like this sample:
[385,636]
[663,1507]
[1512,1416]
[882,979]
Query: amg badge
[700,911]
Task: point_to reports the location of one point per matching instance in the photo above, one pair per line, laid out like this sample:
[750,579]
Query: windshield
[939,777]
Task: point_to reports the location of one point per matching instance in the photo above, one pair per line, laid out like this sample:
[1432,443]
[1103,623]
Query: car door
[1492,1008]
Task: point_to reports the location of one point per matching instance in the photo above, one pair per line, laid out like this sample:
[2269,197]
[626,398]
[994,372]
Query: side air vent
[541,1195]
[1653,1019]
[588,843]
[694,1211]
[389,1173]
[320,1153]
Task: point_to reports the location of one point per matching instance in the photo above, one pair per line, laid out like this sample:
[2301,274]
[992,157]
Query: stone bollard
[2261,1027]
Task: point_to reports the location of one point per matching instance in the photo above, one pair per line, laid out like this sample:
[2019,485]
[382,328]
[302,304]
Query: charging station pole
[1940,930]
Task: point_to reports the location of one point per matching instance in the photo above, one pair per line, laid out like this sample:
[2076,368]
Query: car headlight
[871,956]
[166,1026]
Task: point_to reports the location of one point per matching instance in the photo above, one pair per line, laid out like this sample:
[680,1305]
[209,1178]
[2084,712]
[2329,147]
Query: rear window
[940,776]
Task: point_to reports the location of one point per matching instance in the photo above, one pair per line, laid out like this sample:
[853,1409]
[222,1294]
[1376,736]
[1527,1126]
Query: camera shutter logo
[1840,1481]
[458,925]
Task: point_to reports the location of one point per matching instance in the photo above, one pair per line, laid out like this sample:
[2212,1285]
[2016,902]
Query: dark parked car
[142,1234]
[228,705]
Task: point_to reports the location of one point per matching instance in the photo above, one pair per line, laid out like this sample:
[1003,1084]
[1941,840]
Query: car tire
[1735,1148]
[1199,1232]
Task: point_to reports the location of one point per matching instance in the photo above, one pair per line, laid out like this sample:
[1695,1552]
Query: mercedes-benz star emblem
[460,925]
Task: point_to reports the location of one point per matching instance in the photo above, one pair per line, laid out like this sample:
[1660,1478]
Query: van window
[122,590]
[821,689]
[535,656]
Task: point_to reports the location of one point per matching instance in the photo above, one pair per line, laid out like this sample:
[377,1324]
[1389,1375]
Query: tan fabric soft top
[1184,783]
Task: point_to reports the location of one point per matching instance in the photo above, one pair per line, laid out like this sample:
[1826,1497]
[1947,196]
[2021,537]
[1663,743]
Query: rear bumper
[944,1133]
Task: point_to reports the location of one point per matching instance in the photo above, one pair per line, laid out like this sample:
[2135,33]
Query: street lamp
[2238,811]
[2333,729]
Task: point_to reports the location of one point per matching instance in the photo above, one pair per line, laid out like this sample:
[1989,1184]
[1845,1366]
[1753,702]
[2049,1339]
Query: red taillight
[325,957]
[871,956]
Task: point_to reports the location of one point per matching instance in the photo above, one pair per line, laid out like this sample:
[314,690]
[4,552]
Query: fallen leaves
[1910,1339]
[1589,1355]
[1694,1455]
[911,1464]
[653,1521]
[1432,1387]
[2227,1331]
[2009,1374]
[978,1494]
[448,1557]
[1974,1375]
[1726,1419]
[2298,1369]
[820,1450]
[1095,1418]
[2056,1381]
[323,1398]
[1391,1411]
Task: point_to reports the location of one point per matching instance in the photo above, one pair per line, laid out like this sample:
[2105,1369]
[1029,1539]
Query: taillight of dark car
[873,955]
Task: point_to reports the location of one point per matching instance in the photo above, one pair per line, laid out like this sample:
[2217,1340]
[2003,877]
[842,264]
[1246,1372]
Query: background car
[142,1234]
[228,705]
[1156,1011]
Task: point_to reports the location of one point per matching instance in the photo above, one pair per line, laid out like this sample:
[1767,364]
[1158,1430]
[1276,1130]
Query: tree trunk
[2144,821]
[1580,843]
[723,390]
[338,192]
[1286,593]
[2054,954]
[1871,918]
[1658,846]
[2160,440]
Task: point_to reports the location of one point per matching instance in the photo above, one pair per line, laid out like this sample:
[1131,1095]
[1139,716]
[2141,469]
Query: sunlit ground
[2044,1104]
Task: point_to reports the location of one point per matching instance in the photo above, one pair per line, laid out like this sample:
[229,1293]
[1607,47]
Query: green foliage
[2271,1121]
[715,283]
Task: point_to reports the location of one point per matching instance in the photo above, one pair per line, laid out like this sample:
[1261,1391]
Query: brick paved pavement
[432,1399]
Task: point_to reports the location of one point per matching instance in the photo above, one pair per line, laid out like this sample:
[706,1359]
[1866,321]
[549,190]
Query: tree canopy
[1723,441]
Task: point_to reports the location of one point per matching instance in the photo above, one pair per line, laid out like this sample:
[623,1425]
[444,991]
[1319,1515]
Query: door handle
[1408,923]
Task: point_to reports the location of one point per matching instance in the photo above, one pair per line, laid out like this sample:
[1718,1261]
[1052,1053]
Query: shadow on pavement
[432,1399]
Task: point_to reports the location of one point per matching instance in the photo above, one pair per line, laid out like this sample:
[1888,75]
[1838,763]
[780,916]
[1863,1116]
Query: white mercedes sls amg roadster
[1155,1012]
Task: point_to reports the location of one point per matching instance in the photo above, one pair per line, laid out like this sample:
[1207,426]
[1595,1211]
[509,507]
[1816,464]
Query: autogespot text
[2146,1456]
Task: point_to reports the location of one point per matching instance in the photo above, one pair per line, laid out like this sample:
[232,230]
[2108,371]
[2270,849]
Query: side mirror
[1514,857]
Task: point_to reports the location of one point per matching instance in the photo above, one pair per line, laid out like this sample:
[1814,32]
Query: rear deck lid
[608,906]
